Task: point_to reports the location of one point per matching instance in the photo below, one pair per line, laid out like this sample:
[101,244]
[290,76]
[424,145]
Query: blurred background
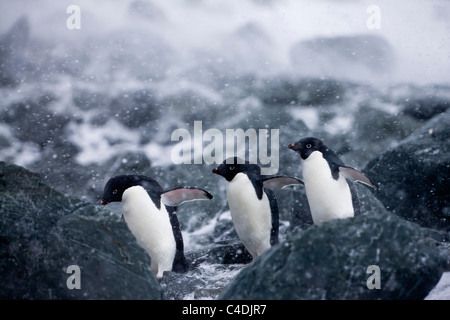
[133,71]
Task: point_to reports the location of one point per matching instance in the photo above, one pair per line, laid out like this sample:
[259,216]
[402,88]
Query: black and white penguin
[252,204]
[330,195]
[149,212]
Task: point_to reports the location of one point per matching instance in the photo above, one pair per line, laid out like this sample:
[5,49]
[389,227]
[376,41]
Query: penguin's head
[307,146]
[116,186]
[230,167]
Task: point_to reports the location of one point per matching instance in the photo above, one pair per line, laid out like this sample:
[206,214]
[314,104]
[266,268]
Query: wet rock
[412,178]
[231,251]
[189,105]
[55,172]
[373,125]
[33,120]
[330,261]
[424,108]
[135,109]
[88,100]
[375,131]
[129,163]
[308,91]
[43,232]
[420,103]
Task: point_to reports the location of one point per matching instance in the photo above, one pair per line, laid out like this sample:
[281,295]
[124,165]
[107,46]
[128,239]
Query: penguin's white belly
[151,228]
[328,198]
[251,217]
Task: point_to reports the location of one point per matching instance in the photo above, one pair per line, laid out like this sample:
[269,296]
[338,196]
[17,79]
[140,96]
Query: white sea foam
[215,277]
[196,238]
[100,143]
[309,116]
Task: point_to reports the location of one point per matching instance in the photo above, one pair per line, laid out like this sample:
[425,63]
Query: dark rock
[129,163]
[295,203]
[412,178]
[374,125]
[43,232]
[376,130]
[309,91]
[222,252]
[320,92]
[236,253]
[330,261]
[88,100]
[135,109]
[424,108]
[420,102]
[34,121]
[189,105]
[65,175]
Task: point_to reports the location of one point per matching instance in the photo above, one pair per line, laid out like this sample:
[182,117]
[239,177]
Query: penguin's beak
[103,202]
[291,146]
[215,170]
[295,146]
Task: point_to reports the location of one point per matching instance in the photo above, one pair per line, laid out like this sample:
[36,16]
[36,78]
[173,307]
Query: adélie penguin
[149,213]
[330,195]
[252,204]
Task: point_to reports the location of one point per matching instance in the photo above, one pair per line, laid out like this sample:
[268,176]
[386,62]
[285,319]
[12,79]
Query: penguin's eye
[231,167]
[114,191]
[308,145]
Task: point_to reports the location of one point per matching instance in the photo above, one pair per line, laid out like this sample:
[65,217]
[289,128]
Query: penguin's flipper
[180,263]
[274,231]
[355,175]
[177,196]
[279,182]
[355,199]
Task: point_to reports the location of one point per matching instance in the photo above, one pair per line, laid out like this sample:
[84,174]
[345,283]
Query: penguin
[149,213]
[328,182]
[252,204]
